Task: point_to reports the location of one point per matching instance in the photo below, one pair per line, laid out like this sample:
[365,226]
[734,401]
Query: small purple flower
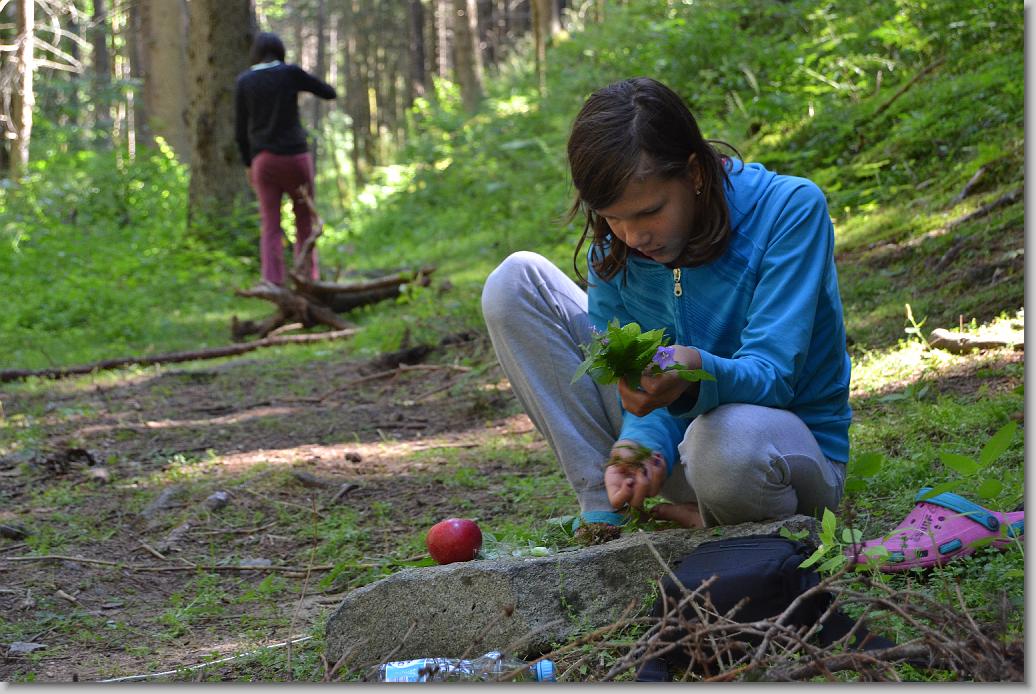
[663,358]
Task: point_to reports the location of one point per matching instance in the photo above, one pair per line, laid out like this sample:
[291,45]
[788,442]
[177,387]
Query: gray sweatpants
[739,462]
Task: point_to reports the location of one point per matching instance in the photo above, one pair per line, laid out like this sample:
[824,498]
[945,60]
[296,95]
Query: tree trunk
[71,116]
[220,36]
[164,61]
[556,6]
[521,17]
[467,57]
[363,141]
[541,31]
[493,32]
[23,98]
[375,62]
[142,134]
[320,70]
[400,76]
[102,74]
[347,36]
[418,83]
[443,36]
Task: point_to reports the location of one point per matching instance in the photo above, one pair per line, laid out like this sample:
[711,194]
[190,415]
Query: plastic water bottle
[486,668]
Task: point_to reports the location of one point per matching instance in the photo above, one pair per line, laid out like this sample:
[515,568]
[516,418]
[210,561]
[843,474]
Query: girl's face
[655,215]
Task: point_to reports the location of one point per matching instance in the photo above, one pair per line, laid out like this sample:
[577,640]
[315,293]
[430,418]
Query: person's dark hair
[266,47]
[637,128]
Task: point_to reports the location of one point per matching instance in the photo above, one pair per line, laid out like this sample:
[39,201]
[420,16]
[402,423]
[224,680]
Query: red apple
[454,539]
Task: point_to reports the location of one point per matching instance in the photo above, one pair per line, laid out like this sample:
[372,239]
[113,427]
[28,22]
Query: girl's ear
[694,171]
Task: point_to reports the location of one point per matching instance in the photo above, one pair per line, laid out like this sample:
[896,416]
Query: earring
[698,192]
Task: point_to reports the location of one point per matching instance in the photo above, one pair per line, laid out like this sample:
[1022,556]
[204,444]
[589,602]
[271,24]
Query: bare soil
[97,451]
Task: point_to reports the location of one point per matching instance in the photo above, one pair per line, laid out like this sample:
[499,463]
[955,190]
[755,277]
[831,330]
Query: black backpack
[765,570]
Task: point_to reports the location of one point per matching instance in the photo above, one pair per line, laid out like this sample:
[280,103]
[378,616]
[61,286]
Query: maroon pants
[274,176]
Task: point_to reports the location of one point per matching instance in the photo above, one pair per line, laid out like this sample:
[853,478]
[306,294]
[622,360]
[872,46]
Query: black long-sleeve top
[267,109]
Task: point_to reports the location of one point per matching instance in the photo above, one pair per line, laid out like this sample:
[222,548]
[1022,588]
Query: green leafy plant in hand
[626,351]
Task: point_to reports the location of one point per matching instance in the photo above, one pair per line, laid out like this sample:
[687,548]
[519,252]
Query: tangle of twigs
[720,648]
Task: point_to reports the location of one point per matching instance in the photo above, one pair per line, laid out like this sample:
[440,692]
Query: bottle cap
[544,671]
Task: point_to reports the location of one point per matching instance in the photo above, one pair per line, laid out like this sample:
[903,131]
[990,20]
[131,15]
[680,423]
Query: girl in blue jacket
[736,264]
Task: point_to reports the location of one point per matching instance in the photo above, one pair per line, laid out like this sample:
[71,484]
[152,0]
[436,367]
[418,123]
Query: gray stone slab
[23,648]
[518,605]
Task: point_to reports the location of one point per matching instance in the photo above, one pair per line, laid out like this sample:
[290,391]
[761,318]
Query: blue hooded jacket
[766,316]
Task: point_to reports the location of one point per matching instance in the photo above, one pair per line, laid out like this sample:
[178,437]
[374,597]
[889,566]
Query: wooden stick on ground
[175,357]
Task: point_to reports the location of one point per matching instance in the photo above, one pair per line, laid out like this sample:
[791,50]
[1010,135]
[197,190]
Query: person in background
[273,148]
[736,263]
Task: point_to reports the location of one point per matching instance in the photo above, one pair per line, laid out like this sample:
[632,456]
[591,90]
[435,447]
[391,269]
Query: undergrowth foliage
[94,246]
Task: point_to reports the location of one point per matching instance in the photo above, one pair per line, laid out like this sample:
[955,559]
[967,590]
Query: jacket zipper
[679,337]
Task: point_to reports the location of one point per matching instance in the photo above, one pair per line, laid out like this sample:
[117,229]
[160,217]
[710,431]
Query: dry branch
[959,343]
[1006,199]
[174,357]
[947,637]
[902,90]
[312,302]
[296,570]
[201,666]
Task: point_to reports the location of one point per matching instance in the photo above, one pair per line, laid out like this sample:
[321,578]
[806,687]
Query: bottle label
[544,671]
[405,670]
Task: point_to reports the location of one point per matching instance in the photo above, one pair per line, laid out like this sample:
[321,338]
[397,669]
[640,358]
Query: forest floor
[332,470]
[136,586]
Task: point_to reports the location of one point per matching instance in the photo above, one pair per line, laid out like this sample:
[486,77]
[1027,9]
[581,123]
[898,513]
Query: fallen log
[341,297]
[174,357]
[959,343]
[311,302]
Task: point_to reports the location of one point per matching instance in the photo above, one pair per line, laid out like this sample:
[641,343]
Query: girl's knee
[727,438]
[504,282]
[734,467]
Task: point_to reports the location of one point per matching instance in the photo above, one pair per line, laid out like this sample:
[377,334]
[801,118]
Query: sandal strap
[961,505]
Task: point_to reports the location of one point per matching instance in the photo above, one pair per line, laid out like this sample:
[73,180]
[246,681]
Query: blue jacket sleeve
[659,430]
[779,323]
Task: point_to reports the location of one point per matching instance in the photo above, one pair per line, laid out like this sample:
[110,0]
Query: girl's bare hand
[661,389]
[686,515]
[629,481]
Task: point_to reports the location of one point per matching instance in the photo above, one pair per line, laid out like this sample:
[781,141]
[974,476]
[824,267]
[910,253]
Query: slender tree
[70,115]
[418,82]
[467,56]
[541,24]
[23,98]
[142,134]
[320,68]
[102,74]
[443,38]
[355,31]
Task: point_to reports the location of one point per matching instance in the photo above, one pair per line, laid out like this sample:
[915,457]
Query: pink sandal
[939,529]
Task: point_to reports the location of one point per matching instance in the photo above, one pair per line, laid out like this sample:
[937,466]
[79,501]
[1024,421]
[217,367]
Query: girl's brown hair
[639,128]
